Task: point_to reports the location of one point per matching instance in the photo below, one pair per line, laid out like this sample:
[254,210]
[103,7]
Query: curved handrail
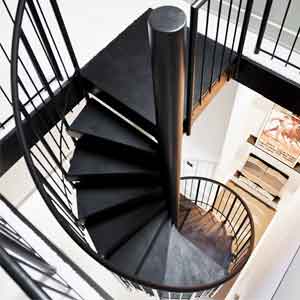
[38,179]
[227,221]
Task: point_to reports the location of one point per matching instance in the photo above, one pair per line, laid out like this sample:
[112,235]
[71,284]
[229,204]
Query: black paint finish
[10,151]
[105,127]
[130,257]
[101,201]
[167,36]
[154,267]
[121,73]
[93,165]
[270,84]
[111,233]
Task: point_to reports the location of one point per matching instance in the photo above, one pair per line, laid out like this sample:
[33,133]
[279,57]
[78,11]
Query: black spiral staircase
[113,195]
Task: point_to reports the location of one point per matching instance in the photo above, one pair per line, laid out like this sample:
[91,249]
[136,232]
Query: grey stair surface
[123,70]
[109,234]
[188,265]
[91,201]
[107,128]
[117,173]
[121,73]
[86,164]
[129,258]
[154,266]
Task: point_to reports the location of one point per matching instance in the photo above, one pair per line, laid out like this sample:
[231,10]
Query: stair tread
[126,73]
[88,163]
[92,201]
[126,69]
[208,234]
[130,256]
[110,234]
[154,266]
[98,121]
[187,265]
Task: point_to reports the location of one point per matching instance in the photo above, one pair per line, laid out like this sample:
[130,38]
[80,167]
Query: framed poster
[280,136]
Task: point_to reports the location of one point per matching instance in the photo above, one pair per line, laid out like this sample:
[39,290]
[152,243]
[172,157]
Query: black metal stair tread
[95,201]
[188,266]
[112,233]
[154,267]
[130,257]
[87,163]
[122,71]
[98,121]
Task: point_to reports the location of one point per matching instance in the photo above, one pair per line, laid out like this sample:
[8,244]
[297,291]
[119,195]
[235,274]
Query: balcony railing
[289,57]
[220,50]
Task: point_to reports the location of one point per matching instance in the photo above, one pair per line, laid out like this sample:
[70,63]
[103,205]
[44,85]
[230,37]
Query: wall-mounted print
[280,136]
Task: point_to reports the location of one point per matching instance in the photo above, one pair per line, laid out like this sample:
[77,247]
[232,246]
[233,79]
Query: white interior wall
[209,130]
[264,271]
[290,283]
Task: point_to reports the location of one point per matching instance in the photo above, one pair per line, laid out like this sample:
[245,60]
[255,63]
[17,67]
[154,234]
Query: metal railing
[34,274]
[228,207]
[46,153]
[38,33]
[226,47]
[273,50]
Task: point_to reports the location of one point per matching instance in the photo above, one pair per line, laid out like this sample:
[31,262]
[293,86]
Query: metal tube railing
[273,51]
[263,25]
[213,67]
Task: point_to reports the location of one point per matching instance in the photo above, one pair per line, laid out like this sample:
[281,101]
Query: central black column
[167,36]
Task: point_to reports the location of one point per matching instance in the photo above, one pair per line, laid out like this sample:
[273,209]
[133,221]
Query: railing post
[263,25]
[65,34]
[167,36]
[29,286]
[191,69]
[44,39]
[244,31]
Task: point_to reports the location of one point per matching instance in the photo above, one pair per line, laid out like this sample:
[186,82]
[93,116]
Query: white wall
[290,283]
[209,130]
[266,267]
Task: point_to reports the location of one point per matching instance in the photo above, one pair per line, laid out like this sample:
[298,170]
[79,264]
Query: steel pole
[167,37]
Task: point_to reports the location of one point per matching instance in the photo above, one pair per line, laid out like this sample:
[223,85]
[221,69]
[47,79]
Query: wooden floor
[206,232]
[262,216]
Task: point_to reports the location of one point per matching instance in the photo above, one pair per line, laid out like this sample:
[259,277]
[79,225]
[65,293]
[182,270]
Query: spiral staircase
[103,175]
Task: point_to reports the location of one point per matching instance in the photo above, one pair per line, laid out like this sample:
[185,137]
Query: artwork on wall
[280,136]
